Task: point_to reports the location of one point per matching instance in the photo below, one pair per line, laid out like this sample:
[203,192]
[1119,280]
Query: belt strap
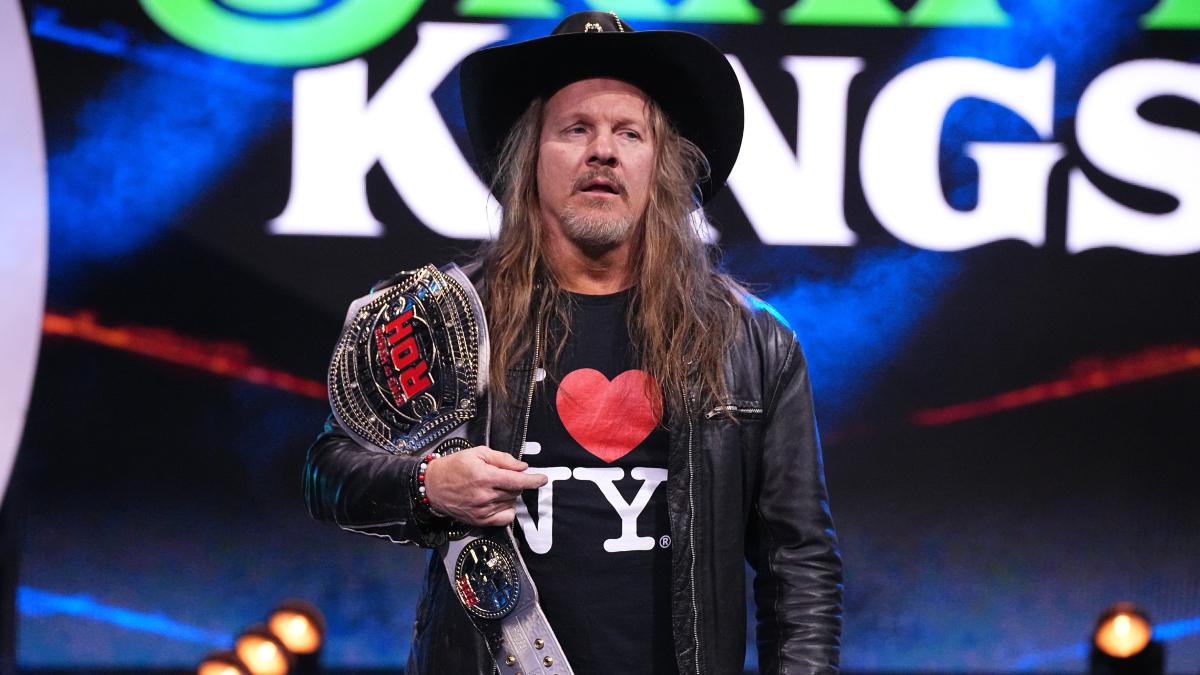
[488,575]
[504,610]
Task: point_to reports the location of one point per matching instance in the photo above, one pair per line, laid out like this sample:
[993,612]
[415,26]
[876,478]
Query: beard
[598,227]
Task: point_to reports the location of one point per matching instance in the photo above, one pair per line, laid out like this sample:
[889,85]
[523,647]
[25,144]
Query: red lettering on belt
[404,353]
[380,347]
[464,589]
[404,356]
[415,380]
[399,327]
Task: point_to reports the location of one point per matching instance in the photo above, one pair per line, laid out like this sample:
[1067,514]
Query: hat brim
[686,75]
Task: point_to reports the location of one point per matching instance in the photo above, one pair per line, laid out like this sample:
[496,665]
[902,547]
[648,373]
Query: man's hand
[478,486]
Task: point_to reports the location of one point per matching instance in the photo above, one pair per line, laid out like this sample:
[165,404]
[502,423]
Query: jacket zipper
[533,366]
[687,412]
[731,408]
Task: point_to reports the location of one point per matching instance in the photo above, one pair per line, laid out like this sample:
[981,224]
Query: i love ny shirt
[596,537]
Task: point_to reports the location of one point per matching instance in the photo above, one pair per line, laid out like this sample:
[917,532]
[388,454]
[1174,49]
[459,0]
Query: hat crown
[687,76]
[592,22]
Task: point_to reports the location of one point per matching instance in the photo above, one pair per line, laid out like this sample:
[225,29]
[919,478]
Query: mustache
[605,173]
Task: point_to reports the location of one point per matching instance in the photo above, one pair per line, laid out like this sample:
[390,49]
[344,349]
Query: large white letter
[797,197]
[23,233]
[604,479]
[540,536]
[900,145]
[330,155]
[338,136]
[1119,142]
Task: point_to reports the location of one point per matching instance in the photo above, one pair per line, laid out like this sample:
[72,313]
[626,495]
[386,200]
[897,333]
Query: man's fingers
[516,481]
[501,511]
[501,517]
[502,460]
[500,496]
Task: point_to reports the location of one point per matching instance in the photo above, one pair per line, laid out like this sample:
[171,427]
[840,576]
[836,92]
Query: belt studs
[538,644]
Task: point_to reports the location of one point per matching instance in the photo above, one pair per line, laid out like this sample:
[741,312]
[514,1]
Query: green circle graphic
[345,29]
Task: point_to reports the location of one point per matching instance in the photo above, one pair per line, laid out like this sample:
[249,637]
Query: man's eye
[631,135]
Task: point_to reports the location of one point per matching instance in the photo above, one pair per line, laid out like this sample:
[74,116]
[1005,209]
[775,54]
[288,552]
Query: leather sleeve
[365,491]
[791,542]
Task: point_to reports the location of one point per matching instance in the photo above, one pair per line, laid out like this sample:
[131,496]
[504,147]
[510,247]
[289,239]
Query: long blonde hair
[683,313]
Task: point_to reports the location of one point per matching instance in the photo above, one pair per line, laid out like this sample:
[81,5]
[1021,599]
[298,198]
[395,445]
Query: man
[651,423]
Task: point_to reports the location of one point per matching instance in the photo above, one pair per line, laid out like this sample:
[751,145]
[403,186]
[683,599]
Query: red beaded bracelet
[419,492]
[421,469]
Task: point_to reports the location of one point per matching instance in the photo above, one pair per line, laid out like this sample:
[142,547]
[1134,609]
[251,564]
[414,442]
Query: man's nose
[603,151]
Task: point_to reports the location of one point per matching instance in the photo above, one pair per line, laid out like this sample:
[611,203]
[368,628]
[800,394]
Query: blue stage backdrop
[982,218]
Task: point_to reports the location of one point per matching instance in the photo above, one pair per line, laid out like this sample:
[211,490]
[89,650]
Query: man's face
[596,154]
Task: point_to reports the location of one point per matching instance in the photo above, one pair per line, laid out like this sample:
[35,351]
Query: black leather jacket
[745,482]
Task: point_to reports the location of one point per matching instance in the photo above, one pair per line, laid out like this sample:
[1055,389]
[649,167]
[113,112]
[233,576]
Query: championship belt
[407,376]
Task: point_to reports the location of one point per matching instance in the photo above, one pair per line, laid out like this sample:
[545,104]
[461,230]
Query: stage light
[221,663]
[1123,634]
[298,625]
[1123,643]
[301,628]
[262,652]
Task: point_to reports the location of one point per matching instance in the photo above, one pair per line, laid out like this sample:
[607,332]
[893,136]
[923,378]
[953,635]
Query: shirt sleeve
[367,491]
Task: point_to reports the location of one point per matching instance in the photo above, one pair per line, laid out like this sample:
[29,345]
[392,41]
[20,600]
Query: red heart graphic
[608,419]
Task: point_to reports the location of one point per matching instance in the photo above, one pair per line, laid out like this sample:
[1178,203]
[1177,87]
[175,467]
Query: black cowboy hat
[685,74]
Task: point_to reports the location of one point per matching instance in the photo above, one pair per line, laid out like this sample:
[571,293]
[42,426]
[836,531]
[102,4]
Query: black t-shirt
[596,538]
